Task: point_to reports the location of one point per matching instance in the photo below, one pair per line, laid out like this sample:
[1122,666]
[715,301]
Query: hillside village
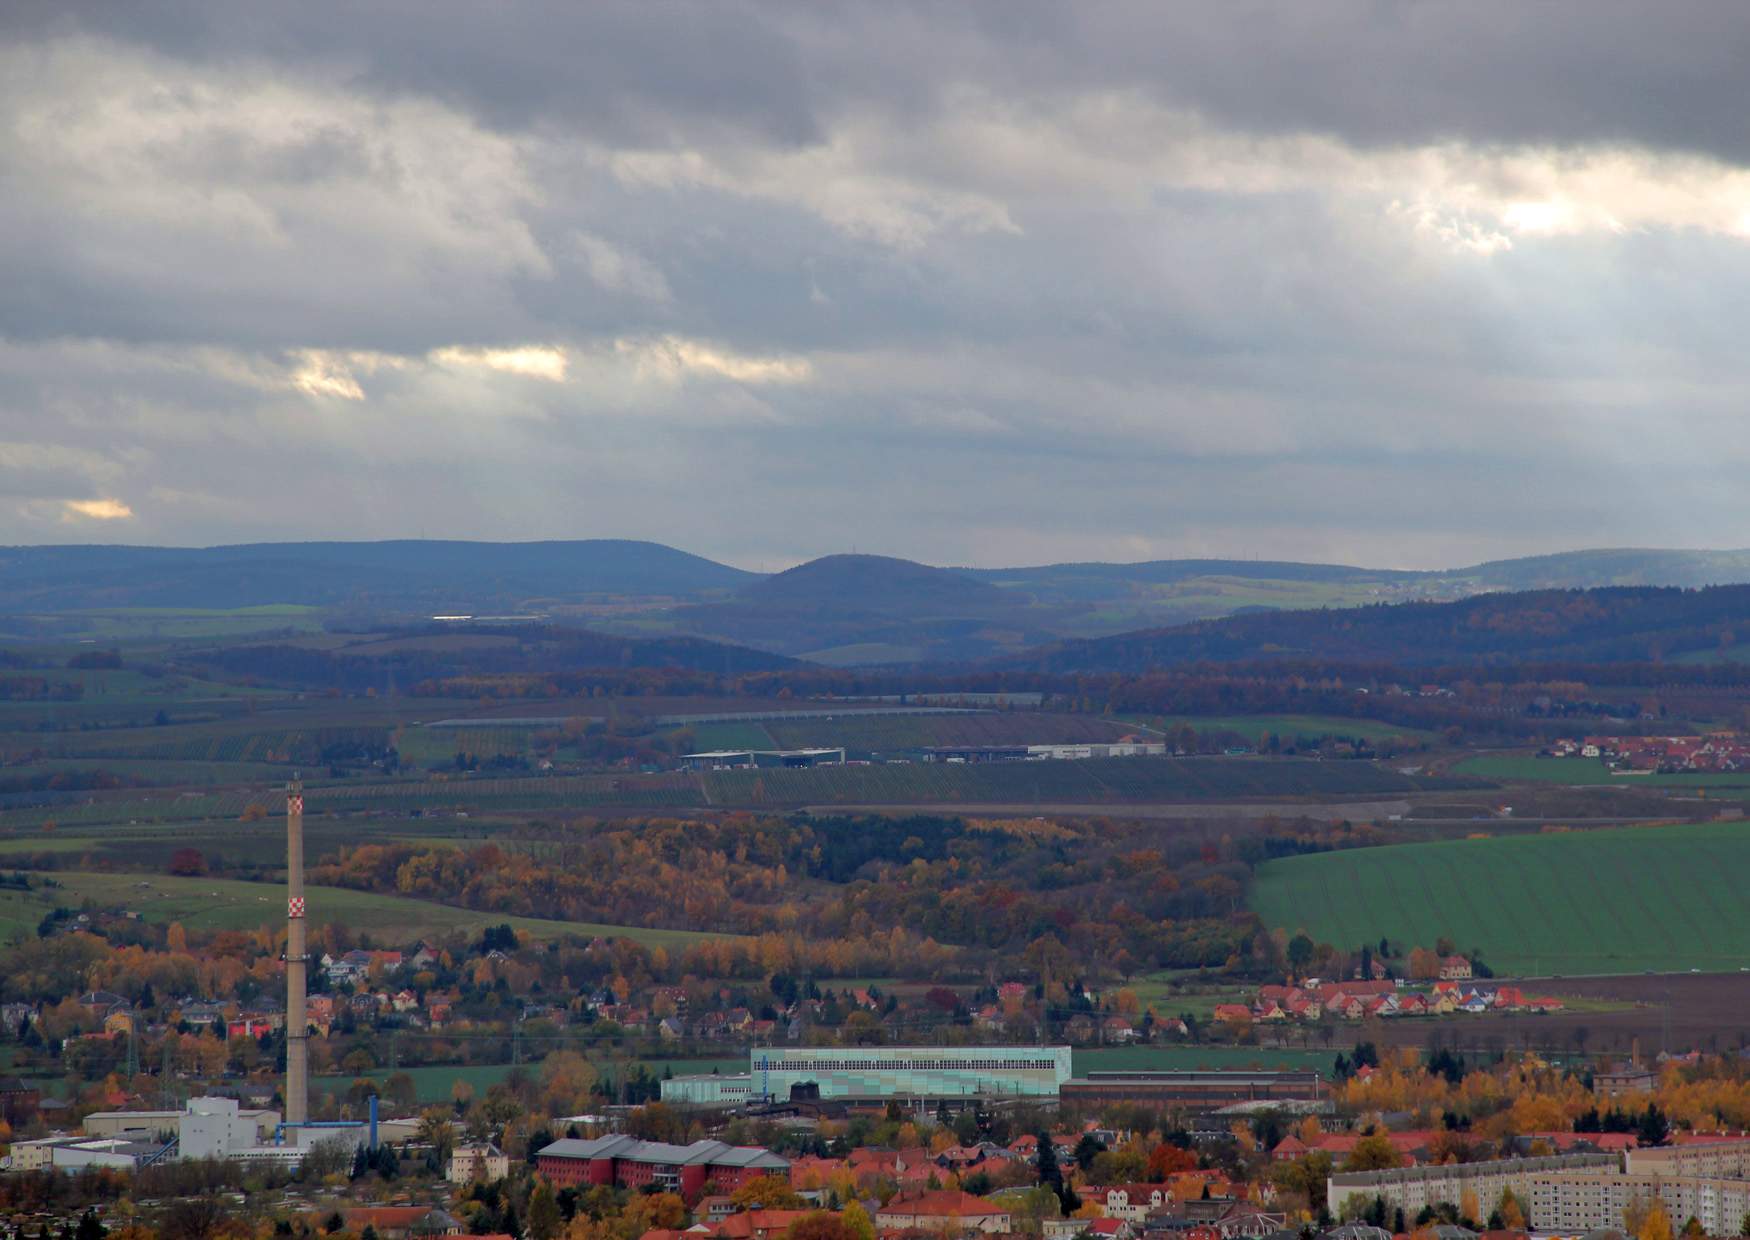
[1384,1000]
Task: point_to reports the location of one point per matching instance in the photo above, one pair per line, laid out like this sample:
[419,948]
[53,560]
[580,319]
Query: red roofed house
[626,1162]
[757,1224]
[942,1211]
[1135,1202]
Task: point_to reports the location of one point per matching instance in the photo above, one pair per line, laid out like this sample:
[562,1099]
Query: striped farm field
[1100,781]
[1619,900]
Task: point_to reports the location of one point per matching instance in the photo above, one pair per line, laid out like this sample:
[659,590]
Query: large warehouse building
[1192,1090]
[626,1162]
[906,1072]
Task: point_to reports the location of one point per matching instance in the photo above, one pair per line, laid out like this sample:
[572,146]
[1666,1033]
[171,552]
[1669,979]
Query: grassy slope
[209,903]
[1093,782]
[1287,726]
[1586,771]
[1608,901]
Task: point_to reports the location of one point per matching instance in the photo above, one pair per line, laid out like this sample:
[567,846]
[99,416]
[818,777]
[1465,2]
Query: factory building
[157,1126]
[905,1072]
[220,1128]
[1191,1090]
[1041,753]
[746,759]
[626,1162]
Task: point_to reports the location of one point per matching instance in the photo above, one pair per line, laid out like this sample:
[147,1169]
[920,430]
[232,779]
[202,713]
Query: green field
[159,623]
[558,793]
[1140,1058]
[434,1083]
[1528,769]
[1101,781]
[1605,901]
[222,904]
[709,736]
[1288,727]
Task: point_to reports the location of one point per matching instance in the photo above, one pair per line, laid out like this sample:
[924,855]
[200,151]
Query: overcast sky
[1407,285]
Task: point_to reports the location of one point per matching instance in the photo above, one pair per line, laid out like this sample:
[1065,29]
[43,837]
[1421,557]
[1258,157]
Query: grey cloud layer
[1405,284]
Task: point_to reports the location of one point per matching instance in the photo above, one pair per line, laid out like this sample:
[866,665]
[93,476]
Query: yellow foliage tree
[1655,1224]
[1372,1153]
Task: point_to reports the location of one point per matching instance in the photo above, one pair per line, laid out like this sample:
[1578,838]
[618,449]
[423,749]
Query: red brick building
[626,1162]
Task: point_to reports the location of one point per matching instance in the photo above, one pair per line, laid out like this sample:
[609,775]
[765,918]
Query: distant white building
[221,1128]
[77,1153]
[478,1162]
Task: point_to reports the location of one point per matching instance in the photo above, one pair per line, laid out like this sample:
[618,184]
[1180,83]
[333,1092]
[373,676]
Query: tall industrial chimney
[297,1023]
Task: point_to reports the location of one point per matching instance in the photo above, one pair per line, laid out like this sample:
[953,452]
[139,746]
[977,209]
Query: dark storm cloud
[1560,72]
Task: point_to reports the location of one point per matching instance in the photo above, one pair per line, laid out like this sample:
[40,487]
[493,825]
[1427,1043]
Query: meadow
[1101,781]
[223,904]
[1618,900]
[1525,768]
[1310,728]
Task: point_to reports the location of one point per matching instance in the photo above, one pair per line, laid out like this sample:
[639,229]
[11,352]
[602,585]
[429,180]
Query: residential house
[754,1224]
[472,1162]
[400,1222]
[1117,1029]
[943,1211]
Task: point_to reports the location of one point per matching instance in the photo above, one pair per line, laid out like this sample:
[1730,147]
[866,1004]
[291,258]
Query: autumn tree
[820,1225]
[544,1220]
[436,1130]
[1168,1159]
[1424,964]
[1512,1217]
[1374,1152]
[1301,951]
[1654,1223]
[766,1192]
[857,1219]
[188,863]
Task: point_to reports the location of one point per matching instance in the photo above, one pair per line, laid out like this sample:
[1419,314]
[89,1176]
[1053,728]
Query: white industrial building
[220,1128]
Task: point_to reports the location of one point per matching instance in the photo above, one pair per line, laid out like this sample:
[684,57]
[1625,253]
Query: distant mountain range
[841,609]
[1612,624]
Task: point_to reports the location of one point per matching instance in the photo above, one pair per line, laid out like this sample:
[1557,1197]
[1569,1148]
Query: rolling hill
[1619,624]
[843,609]
[405,576]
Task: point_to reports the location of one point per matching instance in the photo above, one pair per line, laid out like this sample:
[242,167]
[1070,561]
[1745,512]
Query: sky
[1403,285]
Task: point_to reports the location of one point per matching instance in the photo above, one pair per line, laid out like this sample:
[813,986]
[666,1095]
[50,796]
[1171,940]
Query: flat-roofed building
[1413,1189]
[626,1162]
[1726,1159]
[1587,1201]
[742,759]
[910,1071]
[1624,1082]
[1209,1090]
[709,1089]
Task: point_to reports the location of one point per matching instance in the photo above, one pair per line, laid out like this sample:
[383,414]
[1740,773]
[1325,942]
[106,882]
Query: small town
[874,620]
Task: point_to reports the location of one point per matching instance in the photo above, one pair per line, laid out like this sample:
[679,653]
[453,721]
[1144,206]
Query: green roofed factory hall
[779,1074]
